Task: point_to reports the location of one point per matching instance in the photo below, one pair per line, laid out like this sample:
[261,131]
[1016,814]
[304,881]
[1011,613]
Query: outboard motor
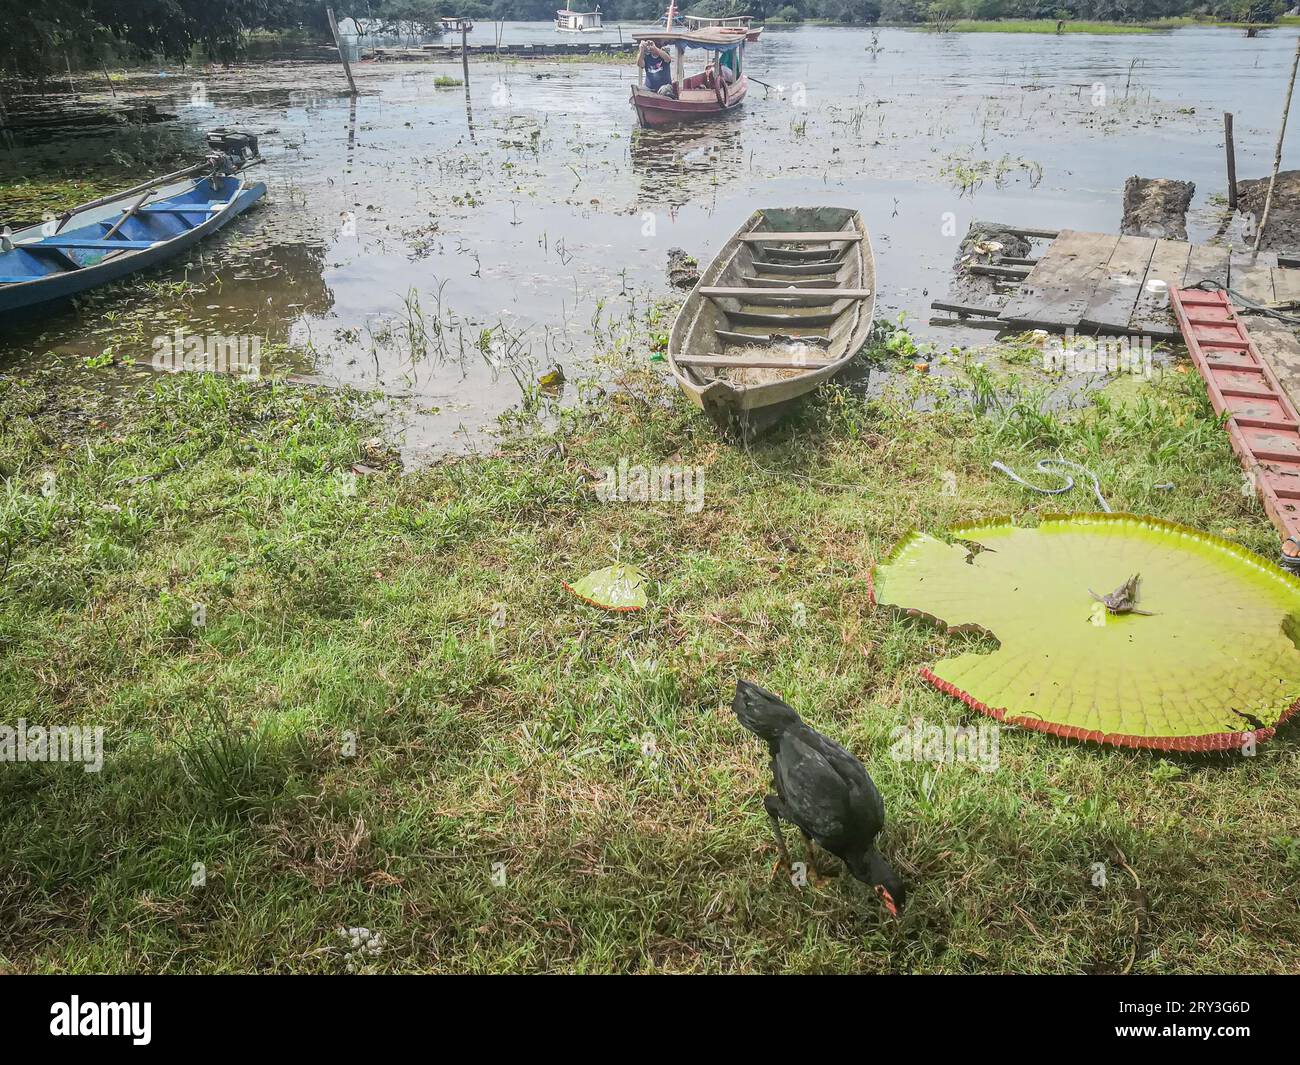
[240,145]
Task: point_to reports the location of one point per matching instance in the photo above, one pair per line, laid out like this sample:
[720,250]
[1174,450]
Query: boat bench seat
[198,208]
[800,238]
[75,243]
[807,297]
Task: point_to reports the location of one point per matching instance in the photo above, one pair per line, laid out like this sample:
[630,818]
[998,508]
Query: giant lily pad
[618,588]
[1214,664]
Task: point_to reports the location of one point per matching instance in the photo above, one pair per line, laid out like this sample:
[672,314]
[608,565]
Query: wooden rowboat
[105,241]
[783,308]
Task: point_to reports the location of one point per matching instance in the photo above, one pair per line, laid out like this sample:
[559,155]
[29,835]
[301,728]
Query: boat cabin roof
[702,38]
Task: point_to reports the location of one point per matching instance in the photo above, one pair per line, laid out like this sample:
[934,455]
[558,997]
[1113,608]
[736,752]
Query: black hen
[821,789]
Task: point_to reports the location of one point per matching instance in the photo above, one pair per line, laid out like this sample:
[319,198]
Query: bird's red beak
[887,899]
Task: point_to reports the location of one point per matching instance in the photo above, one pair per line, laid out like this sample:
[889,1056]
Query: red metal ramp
[1263,424]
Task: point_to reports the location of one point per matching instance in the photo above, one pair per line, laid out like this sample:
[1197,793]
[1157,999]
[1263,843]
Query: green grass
[1044,26]
[334,615]
[600,58]
[1072,26]
[48,185]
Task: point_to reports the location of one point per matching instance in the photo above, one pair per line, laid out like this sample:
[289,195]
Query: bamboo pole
[343,55]
[151,183]
[464,53]
[1277,155]
[128,213]
[1232,160]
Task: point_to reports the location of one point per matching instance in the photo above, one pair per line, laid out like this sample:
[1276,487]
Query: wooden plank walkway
[1112,303]
[1108,285]
[1058,289]
[1151,313]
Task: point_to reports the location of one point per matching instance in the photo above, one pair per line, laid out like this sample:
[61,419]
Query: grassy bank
[1050,25]
[505,730]
[34,184]
[1044,26]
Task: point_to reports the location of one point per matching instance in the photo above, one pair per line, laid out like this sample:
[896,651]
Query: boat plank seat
[198,208]
[798,238]
[816,256]
[828,266]
[756,362]
[727,336]
[797,321]
[785,282]
[78,244]
[804,296]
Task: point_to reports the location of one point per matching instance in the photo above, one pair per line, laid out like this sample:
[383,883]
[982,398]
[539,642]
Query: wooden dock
[1104,284]
[1101,284]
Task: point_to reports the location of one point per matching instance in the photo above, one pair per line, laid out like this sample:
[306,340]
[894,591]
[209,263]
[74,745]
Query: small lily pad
[619,588]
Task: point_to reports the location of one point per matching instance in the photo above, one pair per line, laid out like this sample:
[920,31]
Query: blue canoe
[43,267]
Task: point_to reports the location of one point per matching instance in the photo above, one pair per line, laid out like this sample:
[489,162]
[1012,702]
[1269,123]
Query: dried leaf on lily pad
[613,588]
[1214,664]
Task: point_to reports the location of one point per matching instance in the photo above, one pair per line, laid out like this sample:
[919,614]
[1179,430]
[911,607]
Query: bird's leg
[773,807]
[810,853]
[815,872]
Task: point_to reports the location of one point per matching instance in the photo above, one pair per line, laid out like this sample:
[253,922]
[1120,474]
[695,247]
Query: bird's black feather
[820,788]
[765,715]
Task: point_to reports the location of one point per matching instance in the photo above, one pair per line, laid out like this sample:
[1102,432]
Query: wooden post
[464,53]
[343,55]
[1232,161]
[1277,155]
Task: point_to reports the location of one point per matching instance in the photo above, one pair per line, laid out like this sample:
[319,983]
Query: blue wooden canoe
[43,267]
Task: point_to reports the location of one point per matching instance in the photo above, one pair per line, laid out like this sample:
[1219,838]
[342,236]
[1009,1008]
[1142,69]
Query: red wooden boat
[721,86]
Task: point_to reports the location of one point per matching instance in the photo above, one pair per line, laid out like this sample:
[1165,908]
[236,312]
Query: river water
[447,245]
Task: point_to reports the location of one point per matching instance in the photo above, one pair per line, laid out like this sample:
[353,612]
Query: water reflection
[675,166]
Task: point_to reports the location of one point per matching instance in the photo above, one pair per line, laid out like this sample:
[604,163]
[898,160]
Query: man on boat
[658,67]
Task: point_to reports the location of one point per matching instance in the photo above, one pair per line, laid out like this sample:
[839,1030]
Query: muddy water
[446,246]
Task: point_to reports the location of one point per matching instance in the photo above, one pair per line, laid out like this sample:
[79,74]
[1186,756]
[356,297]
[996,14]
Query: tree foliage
[46,35]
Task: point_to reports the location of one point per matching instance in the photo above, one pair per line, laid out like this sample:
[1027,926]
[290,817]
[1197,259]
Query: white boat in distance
[578,21]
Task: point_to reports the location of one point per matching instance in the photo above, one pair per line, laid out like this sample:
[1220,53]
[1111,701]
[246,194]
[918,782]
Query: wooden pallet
[1263,423]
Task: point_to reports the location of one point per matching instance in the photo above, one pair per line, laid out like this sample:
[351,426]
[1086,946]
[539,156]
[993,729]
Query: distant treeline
[1079,10]
[865,12]
[48,35]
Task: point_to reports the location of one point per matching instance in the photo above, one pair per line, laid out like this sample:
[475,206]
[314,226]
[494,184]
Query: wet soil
[1156,207]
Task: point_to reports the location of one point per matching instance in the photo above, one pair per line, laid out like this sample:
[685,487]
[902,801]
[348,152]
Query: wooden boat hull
[764,326]
[31,278]
[653,110]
